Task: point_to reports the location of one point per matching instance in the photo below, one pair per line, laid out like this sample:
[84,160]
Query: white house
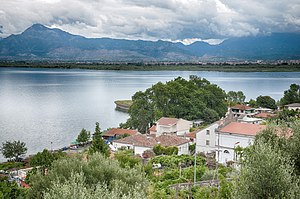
[294,106]
[232,135]
[140,143]
[206,139]
[173,126]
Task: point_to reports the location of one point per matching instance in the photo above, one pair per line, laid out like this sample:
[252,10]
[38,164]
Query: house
[172,126]
[117,132]
[206,139]
[263,110]
[294,106]
[232,135]
[140,143]
[241,109]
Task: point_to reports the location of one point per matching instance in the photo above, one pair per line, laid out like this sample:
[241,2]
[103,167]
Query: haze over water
[40,106]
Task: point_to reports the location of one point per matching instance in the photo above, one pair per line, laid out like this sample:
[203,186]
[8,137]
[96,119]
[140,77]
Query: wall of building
[183,127]
[139,150]
[183,149]
[227,142]
[202,137]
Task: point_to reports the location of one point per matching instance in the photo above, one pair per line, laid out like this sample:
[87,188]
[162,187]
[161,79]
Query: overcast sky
[153,19]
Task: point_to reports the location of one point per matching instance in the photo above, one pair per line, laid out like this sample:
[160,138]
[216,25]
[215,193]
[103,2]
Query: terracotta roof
[264,115]
[192,134]
[242,128]
[293,105]
[153,128]
[241,107]
[168,121]
[146,141]
[117,131]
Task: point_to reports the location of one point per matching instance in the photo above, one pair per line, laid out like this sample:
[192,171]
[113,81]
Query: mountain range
[41,43]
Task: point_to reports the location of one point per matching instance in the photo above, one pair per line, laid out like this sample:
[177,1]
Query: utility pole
[195,166]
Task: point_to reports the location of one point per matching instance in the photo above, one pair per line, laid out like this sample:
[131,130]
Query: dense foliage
[77,178]
[83,136]
[292,95]
[266,102]
[13,150]
[165,150]
[189,99]
[270,168]
[235,97]
[10,190]
[45,158]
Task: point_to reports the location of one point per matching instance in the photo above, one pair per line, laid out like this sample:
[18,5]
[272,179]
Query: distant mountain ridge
[41,43]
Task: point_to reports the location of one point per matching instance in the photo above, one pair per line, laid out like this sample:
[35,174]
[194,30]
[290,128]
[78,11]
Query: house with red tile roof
[116,132]
[173,126]
[140,143]
[232,135]
[264,115]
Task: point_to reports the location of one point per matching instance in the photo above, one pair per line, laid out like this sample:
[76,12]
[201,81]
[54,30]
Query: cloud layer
[153,19]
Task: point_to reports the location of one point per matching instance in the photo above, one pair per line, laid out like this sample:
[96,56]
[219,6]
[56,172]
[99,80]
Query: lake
[40,106]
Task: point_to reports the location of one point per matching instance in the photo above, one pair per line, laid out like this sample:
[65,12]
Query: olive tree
[13,150]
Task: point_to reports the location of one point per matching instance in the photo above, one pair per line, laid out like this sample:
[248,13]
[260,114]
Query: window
[226,151]
[207,132]
[207,142]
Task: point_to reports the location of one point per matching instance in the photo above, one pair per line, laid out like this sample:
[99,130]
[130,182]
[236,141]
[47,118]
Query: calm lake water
[40,106]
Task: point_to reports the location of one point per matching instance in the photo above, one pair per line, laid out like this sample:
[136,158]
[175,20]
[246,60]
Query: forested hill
[41,43]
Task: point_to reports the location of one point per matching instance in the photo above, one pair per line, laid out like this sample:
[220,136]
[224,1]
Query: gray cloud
[153,19]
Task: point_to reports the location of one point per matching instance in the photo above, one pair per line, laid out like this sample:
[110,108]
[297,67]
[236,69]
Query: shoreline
[158,67]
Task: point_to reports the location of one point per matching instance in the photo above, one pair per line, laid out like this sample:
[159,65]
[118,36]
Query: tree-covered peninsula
[191,99]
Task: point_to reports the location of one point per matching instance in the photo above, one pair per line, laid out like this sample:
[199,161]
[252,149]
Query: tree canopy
[189,99]
[83,136]
[292,95]
[235,97]
[98,177]
[266,102]
[13,149]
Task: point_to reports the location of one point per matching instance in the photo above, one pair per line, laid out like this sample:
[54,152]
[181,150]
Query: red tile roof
[242,128]
[147,141]
[153,128]
[192,134]
[241,107]
[117,131]
[264,115]
[167,121]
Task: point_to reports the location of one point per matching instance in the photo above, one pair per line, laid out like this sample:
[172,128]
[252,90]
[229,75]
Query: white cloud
[153,19]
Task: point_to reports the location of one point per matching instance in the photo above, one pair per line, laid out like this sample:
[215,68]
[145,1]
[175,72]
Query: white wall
[228,142]
[139,150]
[183,149]
[183,127]
[202,136]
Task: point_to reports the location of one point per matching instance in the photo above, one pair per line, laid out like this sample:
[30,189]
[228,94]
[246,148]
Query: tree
[97,133]
[266,173]
[13,149]
[266,102]
[11,189]
[252,103]
[98,145]
[97,177]
[234,97]
[45,158]
[83,136]
[291,95]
